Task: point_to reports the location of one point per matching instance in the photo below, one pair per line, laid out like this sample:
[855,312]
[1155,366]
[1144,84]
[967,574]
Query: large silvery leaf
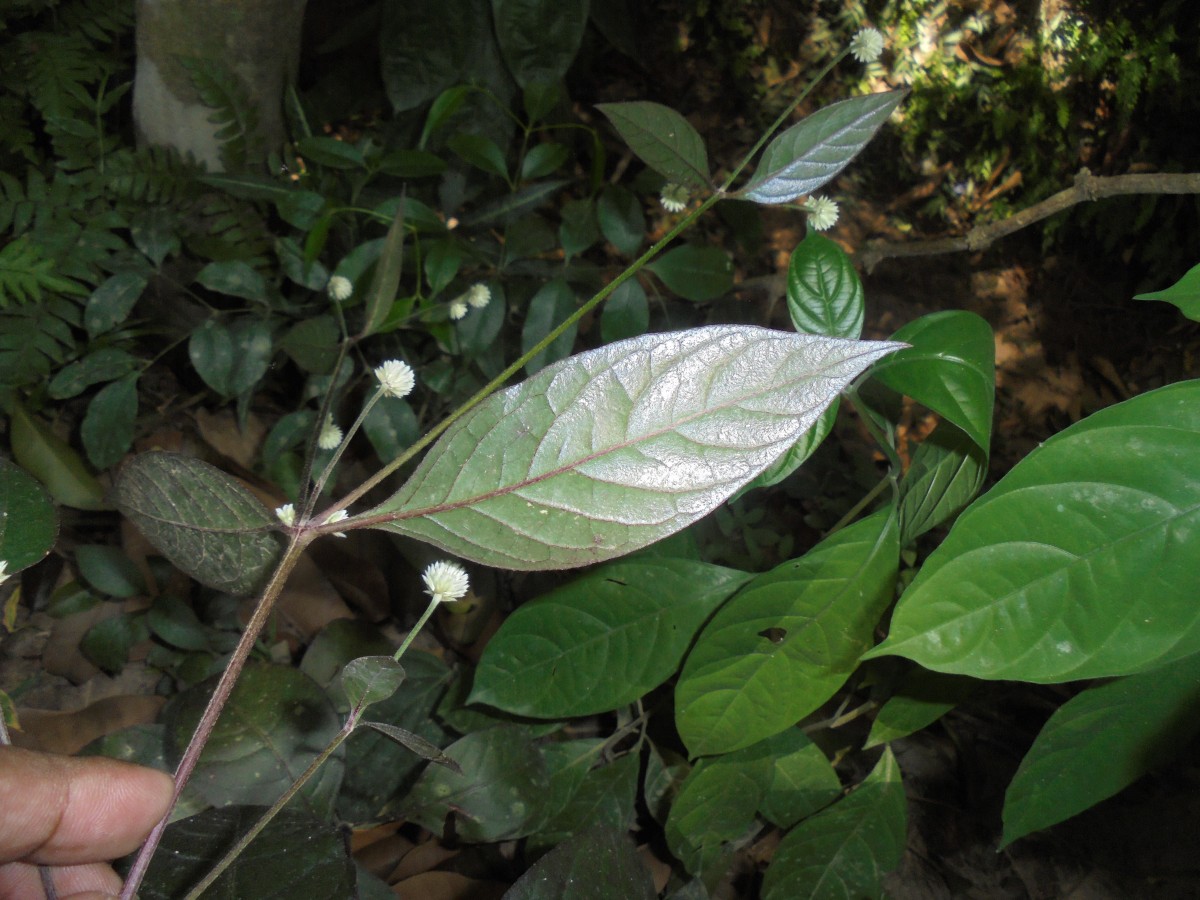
[664,140]
[613,449]
[1081,563]
[814,150]
[202,520]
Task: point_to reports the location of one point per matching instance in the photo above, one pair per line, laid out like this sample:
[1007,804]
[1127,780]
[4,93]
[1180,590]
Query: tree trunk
[211,75]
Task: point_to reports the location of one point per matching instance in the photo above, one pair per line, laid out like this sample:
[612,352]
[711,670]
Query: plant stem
[262,612]
[433,604]
[236,850]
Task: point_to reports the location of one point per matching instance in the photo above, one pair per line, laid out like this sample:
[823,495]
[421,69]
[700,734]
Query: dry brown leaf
[447,886]
[421,858]
[309,602]
[221,432]
[70,732]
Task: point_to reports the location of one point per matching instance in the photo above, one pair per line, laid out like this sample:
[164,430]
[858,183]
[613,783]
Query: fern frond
[100,21]
[225,227]
[220,89]
[36,338]
[57,69]
[27,273]
[149,175]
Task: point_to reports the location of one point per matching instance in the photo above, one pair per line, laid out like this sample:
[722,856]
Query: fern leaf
[35,339]
[26,274]
[223,91]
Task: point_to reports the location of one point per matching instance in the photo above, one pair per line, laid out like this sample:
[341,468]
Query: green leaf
[510,207]
[479,330]
[1185,294]
[109,570]
[107,643]
[579,228]
[232,358]
[922,699]
[616,448]
[330,152]
[621,219]
[154,230]
[817,148]
[824,294]
[111,303]
[107,428]
[313,344]
[481,152]
[419,56]
[603,640]
[788,640]
[946,473]
[202,520]
[391,427]
[28,522]
[442,109]
[235,278]
[414,744]
[296,855]
[1080,563]
[174,622]
[803,781]
[695,273]
[370,679]
[105,364]
[275,723]
[1101,741]
[626,313]
[41,453]
[386,283]
[846,850]
[539,38]
[542,159]
[443,258]
[663,139]
[402,163]
[605,795]
[949,368]
[799,452]
[599,862]
[306,273]
[497,796]
[550,307]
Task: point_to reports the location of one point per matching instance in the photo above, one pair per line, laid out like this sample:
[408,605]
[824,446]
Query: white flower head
[674,197]
[4,575]
[396,378]
[478,295]
[338,516]
[330,435]
[822,213]
[339,288]
[867,45]
[286,514]
[458,308]
[445,581]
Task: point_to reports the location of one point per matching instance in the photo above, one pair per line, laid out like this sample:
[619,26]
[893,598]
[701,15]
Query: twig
[1087,187]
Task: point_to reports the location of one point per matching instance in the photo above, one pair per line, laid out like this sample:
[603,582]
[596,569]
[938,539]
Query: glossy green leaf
[107,427]
[202,520]
[949,368]
[231,358]
[52,461]
[846,850]
[105,364]
[481,152]
[313,344]
[621,219]
[112,302]
[386,281]
[109,571]
[626,313]
[297,855]
[602,641]
[922,698]
[235,278]
[370,679]
[551,306]
[663,139]
[497,797]
[1080,563]
[1101,741]
[1185,294]
[803,781]
[599,862]
[818,147]
[28,522]
[799,452]
[824,294]
[695,273]
[616,448]
[542,160]
[788,640]
[539,38]
[946,473]
[275,723]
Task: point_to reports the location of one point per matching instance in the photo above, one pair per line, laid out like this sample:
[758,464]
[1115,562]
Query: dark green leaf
[47,457]
[788,640]
[946,473]
[207,524]
[112,302]
[481,152]
[235,278]
[803,781]
[443,258]
[154,231]
[411,164]
[107,428]
[330,152]
[479,330]
[603,640]
[419,56]
[799,452]
[604,795]
[619,447]
[663,139]
[415,744]
[28,522]
[823,291]
[386,283]
[550,307]
[922,699]
[579,228]
[539,38]
[370,679]
[107,643]
[1080,563]
[695,273]
[306,273]
[1185,294]
[173,621]
[391,427]
[313,344]
[626,313]
[599,862]
[817,148]
[105,364]
[542,159]
[231,358]
[109,571]
[510,207]
[621,219]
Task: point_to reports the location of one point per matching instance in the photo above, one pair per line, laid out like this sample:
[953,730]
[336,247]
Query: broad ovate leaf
[605,452]
[824,294]
[1081,563]
[814,150]
[28,522]
[663,139]
[202,520]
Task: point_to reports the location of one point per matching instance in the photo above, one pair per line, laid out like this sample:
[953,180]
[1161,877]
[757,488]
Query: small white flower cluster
[822,213]
[339,288]
[477,296]
[4,574]
[338,516]
[396,378]
[330,435]
[867,45]
[445,581]
[674,197]
[286,514]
